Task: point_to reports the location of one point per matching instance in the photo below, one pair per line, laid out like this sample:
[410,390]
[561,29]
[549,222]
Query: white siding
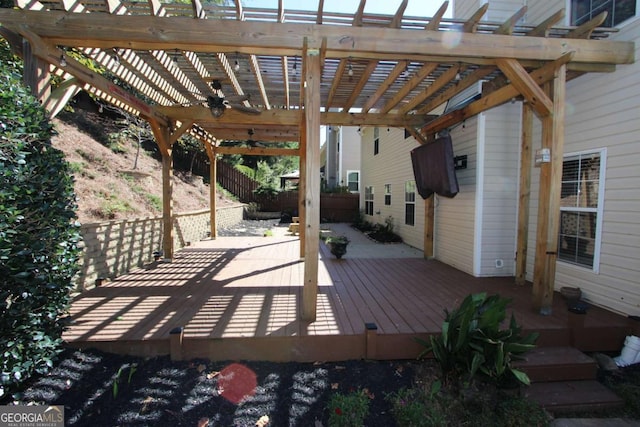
[539,10]
[392,165]
[349,153]
[464,9]
[603,111]
[499,10]
[500,190]
[455,218]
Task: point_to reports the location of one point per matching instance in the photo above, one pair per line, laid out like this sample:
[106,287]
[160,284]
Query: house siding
[603,111]
[499,10]
[392,165]
[349,153]
[500,190]
[455,219]
[539,10]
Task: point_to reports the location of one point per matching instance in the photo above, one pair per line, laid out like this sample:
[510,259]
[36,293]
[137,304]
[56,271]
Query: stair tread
[543,356]
[572,395]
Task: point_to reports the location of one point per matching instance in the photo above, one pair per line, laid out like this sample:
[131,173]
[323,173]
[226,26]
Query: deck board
[235,288]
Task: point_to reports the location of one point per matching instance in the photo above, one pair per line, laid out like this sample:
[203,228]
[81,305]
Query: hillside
[106,183]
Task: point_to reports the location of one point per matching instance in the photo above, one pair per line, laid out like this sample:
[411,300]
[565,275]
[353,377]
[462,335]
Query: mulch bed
[99,389]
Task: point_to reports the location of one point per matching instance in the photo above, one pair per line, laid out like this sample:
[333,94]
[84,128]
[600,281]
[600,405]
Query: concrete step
[572,396]
[557,364]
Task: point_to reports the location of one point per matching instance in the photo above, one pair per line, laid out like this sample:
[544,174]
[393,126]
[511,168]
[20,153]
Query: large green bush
[39,233]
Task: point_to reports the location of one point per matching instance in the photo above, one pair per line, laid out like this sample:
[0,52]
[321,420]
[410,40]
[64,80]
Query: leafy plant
[348,410]
[116,379]
[472,341]
[39,234]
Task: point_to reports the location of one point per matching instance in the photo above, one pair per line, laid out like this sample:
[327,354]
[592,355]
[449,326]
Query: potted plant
[337,245]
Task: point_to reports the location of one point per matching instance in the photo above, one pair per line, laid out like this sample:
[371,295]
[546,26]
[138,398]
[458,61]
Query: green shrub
[472,341]
[348,410]
[39,234]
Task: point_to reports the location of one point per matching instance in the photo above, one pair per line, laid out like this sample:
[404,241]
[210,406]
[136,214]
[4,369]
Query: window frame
[387,194]
[376,141]
[350,171]
[599,210]
[571,19]
[368,200]
[410,202]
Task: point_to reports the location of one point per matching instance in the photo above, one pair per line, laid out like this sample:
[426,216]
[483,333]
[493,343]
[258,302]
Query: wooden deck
[238,297]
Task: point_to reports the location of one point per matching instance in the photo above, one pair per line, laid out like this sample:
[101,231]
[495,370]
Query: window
[368,200]
[410,202]
[619,11]
[376,141]
[387,194]
[353,181]
[581,209]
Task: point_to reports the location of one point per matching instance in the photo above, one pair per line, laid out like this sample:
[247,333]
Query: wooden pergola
[306,69]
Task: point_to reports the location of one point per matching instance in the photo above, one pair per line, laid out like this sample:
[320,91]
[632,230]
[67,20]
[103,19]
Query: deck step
[557,364]
[572,396]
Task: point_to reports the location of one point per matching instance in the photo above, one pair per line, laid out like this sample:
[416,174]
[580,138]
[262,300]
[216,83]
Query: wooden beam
[416,135]
[453,90]
[312,189]
[200,114]
[471,25]
[434,87]
[320,12]
[524,196]
[258,151]
[36,74]
[526,85]
[494,99]
[396,22]
[418,77]
[364,79]
[399,68]
[61,95]
[177,133]
[357,18]
[206,35]
[507,27]
[585,30]
[434,23]
[542,30]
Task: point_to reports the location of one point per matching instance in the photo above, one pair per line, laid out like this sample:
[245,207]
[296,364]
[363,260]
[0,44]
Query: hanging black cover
[434,168]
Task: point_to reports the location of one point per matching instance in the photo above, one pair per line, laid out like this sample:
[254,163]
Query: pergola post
[429,226]
[549,200]
[213,190]
[302,185]
[311,221]
[525,194]
[163,140]
[36,74]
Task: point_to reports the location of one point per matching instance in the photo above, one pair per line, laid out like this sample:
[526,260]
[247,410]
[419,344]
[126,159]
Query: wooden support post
[167,206]
[311,217]
[163,139]
[525,194]
[213,179]
[302,185]
[549,200]
[36,74]
[429,225]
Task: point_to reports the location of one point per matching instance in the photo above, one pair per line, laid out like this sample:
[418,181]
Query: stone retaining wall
[113,248]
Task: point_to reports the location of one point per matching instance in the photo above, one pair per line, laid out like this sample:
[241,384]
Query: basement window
[581,207]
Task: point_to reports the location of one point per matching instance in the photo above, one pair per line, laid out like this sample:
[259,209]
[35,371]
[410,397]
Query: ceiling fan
[218,104]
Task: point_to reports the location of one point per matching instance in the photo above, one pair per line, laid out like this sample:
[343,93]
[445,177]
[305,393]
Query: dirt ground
[109,187]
